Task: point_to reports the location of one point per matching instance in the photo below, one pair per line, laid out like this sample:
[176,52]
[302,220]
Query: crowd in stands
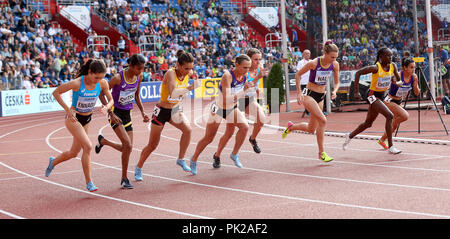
[360,27]
[37,53]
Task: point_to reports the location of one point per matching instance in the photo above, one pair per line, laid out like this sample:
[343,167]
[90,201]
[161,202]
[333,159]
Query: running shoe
[287,131]
[125,183]
[394,150]
[50,167]
[324,157]
[138,174]
[383,144]
[91,187]
[193,166]
[183,165]
[99,145]
[235,158]
[347,141]
[255,145]
[216,163]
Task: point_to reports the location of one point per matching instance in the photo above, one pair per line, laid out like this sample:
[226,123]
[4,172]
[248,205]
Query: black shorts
[376,95]
[389,98]
[162,115]
[125,116]
[318,97]
[83,119]
[222,112]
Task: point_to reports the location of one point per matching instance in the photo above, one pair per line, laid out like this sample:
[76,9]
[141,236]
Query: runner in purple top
[125,89]
[321,69]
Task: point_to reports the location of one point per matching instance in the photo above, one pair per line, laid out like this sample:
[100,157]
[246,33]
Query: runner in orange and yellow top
[173,88]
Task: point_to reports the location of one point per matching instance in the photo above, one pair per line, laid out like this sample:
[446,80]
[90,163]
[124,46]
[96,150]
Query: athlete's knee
[322,121]
[243,127]
[127,146]
[87,147]
[389,116]
[367,124]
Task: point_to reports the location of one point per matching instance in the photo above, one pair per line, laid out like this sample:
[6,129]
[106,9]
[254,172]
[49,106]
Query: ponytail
[95,65]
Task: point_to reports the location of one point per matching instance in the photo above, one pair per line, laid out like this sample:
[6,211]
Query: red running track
[285,181]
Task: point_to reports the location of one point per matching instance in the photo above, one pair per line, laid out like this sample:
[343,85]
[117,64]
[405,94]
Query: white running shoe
[347,141]
[393,150]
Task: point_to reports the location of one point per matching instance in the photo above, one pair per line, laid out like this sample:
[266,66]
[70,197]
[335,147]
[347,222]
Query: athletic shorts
[390,99]
[318,97]
[162,115]
[83,119]
[222,112]
[376,95]
[125,116]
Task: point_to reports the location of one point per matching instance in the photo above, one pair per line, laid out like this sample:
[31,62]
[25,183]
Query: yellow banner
[210,88]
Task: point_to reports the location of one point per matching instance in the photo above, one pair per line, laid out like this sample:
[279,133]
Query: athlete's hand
[357,96]
[114,119]
[145,117]
[300,98]
[104,109]
[333,95]
[265,72]
[71,115]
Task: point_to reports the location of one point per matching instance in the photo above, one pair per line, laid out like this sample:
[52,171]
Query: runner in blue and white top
[397,93]
[233,86]
[249,104]
[86,89]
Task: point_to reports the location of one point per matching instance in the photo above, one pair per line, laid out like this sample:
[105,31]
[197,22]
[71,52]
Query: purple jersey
[123,94]
[401,92]
[320,75]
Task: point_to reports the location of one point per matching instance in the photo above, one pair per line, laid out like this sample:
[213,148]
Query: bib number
[214,108]
[371,99]
[156,111]
[387,99]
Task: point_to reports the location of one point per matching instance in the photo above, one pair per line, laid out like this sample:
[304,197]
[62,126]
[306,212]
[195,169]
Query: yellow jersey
[381,81]
[180,84]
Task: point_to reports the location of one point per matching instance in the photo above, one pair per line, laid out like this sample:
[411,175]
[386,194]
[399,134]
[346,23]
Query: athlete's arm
[336,79]
[416,84]
[307,67]
[363,71]
[137,98]
[171,86]
[107,108]
[71,85]
[397,82]
[113,82]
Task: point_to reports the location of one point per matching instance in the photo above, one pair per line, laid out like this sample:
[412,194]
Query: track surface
[285,181]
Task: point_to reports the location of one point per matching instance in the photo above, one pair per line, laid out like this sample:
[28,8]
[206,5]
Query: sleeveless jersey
[320,75]
[84,100]
[250,79]
[236,86]
[123,94]
[180,84]
[401,92]
[381,81]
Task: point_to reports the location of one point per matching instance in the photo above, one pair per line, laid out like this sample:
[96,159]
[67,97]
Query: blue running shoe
[138,174]
[183,165]
[125,183]
[50,167]
[235,158]
[91,187]
[193,166]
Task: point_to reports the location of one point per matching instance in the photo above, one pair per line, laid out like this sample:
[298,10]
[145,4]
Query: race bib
[127,96]
[388,99]
[372,99]
[384,83]
[214,108]
[403,92]
[86,104]
[322,77]
[156,111]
